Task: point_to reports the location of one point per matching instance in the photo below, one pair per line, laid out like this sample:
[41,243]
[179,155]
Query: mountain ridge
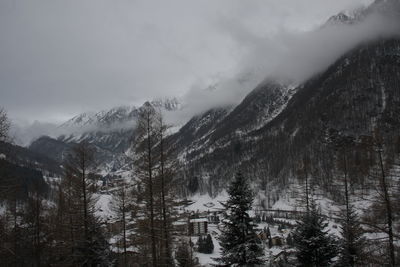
[275,125]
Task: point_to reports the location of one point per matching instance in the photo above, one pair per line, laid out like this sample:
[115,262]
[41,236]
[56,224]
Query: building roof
[181,222]
[199,220]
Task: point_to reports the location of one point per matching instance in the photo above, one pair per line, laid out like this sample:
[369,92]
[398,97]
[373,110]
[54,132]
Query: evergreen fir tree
[95,250]
[85,244]
[289,240]
[352,243]
[205,245]
[200,244]
[270,245]
[239,243]
[184,255]
[209,245]
[315,247]
[267,232]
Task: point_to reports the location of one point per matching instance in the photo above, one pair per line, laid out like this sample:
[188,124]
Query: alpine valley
[286,137]
[272,129]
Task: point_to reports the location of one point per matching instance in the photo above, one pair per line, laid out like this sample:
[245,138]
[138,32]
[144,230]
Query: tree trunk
[150,176]
[124,226]
[163,202]
[85,208]
[389,213]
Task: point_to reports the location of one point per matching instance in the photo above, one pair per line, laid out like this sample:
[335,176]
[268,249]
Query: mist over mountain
[215,117]
[277,67]
[310,117]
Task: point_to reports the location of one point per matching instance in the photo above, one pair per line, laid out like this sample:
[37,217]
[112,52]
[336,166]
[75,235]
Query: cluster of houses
[201,223]
[198,225]
[276,239]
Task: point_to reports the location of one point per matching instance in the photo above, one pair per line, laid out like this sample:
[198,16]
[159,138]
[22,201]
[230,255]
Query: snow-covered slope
[270,132]
[109,131]
[117,118]
[275,126]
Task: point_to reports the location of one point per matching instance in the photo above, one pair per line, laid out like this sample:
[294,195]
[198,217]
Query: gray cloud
[25,133]
[287,56]
[59,58]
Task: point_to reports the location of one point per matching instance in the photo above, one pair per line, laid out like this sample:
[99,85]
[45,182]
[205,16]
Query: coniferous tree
[95,250]
[81,241]
[123,207]
[240,245]
[352,243]
[184,255]
[37,229]
[377,144]
[209,245]
[164,180]
[267,232]
[289,240]
[145,170]
[315,247]
[4,125]
[12,238]
[270,245]
[193,184]
[200,244]
[155,170]
[205,245]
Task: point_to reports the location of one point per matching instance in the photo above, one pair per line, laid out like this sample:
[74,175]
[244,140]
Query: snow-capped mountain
[110,131]
[273,129]
[107,119]
[275,126]
[327,146]
[386,8]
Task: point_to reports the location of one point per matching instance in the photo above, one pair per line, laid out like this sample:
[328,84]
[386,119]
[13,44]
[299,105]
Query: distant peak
[115,115]
[340,18]
[387,8]
[169,104]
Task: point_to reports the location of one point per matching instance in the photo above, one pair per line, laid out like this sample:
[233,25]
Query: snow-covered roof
[199,220]
[276,251]
[180,223]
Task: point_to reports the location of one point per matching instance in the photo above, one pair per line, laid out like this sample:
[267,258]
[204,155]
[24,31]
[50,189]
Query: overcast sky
[60,58]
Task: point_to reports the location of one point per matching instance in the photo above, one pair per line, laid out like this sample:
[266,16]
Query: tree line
[64,228]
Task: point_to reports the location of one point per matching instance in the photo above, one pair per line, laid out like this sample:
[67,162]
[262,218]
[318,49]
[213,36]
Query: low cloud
[62,58]
[58,60]
[286,56]
[24,134]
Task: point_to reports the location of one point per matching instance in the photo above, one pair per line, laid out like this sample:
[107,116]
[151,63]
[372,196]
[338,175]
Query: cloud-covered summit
[62,58]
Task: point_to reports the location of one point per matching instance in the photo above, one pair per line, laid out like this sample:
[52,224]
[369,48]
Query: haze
[60,58]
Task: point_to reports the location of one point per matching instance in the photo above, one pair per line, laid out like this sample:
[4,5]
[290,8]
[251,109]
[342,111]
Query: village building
[277,240]
[213,217]
[198,226]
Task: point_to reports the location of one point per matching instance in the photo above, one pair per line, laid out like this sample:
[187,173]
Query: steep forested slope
[355,96]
